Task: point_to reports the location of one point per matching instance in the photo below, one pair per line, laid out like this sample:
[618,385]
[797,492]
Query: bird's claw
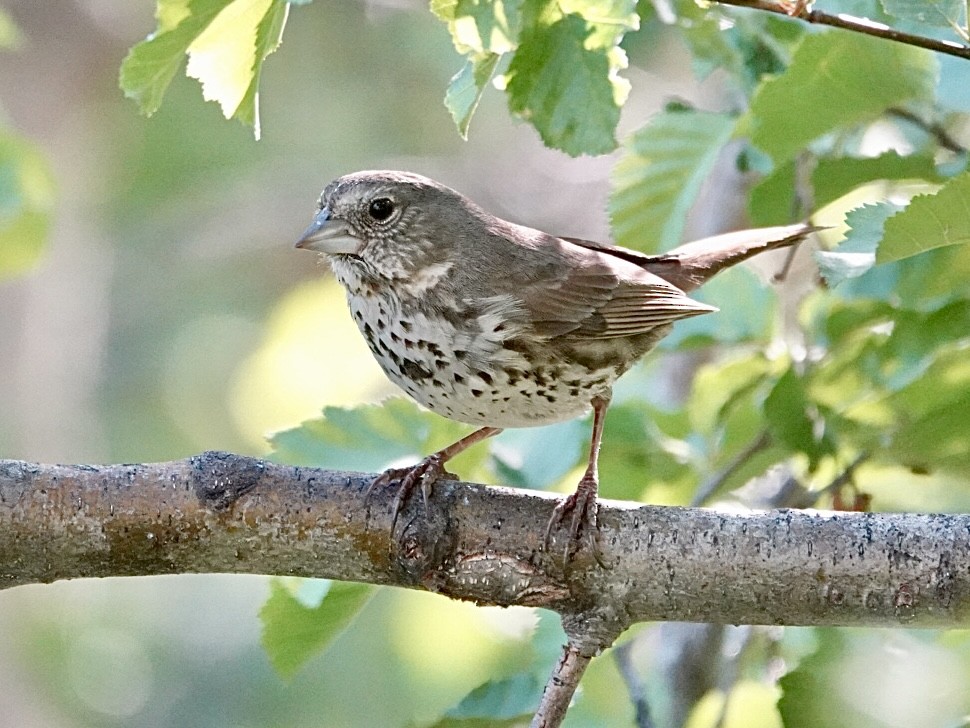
[424,475]
[583,526]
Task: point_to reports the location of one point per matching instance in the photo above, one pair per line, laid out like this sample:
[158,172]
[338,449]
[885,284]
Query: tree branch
[218,512]
[803,11]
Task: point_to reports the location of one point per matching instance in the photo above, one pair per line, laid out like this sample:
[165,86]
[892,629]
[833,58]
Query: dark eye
[380,209]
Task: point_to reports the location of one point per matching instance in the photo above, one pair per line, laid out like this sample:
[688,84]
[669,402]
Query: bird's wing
[691,264]
[602,297]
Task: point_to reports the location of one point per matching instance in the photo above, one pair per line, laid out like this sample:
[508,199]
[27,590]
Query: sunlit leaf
[857,254]
[269,34]
[294,632]
[26,204]
[836,80]
[658,177]
[929,221]
[466,89]
[226,42]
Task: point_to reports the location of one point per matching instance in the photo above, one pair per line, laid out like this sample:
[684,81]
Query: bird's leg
[426,472]
[582,502]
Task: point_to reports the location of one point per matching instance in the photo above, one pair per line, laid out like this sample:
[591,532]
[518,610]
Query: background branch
[803,11]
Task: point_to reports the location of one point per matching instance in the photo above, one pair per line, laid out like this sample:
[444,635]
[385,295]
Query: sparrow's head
[389,221]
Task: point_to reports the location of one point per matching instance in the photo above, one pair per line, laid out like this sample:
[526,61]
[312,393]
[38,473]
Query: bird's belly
[501,397]
[466,377]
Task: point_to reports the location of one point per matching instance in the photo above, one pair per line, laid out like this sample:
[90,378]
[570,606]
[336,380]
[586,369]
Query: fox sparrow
[498,325]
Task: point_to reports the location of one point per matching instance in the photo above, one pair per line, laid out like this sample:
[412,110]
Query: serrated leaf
[928,222]
[564,89]
[26,204]
[936,13]
[466,88]
[150,66]
[857,254]
[226,42]
[293,632]
[225,57]
[836,80]
[658,177]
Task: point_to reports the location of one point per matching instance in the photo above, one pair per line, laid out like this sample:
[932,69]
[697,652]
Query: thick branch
[224,513]
[803,11]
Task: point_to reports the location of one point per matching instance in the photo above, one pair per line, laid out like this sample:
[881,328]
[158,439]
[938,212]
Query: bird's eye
[380,209]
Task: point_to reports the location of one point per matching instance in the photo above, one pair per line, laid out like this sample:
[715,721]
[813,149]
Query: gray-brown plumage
[499,325]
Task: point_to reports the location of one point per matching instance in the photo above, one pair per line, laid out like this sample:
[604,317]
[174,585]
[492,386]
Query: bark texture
[218,512]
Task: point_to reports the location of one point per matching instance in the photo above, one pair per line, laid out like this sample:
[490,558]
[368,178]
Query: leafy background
[153,307]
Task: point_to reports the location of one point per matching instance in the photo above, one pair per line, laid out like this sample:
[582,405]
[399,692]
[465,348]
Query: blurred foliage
[26,203]
[868,365]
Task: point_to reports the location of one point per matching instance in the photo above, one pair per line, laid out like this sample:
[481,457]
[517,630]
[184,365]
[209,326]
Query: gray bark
[225,513]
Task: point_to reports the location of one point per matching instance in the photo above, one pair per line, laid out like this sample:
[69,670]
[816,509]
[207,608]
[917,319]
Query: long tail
[692,264]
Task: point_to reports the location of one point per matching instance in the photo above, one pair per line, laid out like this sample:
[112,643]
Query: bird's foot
[583,525]
[424,475]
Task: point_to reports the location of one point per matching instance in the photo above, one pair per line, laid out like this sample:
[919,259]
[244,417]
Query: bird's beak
[329,235]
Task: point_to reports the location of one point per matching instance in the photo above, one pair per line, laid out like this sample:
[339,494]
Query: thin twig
[937,131]
[634,685]
[561,687]
[714,483]
[858,25]
[840,480]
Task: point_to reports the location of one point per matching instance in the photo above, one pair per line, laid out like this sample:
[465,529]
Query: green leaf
[718,385]
[269,34]
[772,200]
[857,254]
[812,693]
[26,204]
[367,438]
[482,26]
[836,80]
[294,632]
[563,88]
[928,222]
[466,89]
[567,86]
[515,697]
[226,41]
[933,428]
[936,13]
[658,177]
[790,421]
[150,66]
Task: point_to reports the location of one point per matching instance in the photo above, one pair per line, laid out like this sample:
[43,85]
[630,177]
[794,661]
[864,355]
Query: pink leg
[426,472]
[582,503]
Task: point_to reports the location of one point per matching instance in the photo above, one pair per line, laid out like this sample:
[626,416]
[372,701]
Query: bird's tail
[692,264]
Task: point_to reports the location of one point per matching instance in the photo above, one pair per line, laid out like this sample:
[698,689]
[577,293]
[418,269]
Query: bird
[499,325]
